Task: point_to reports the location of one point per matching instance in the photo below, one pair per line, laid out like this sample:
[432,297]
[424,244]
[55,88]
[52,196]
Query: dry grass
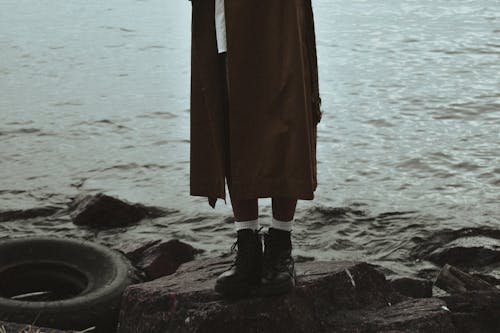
[29,329]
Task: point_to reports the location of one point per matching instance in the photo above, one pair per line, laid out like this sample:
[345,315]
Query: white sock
[250,224]
[281,225]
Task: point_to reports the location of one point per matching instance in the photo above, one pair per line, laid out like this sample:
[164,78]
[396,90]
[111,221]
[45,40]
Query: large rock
[474,303]
[337,296]
[466,257]
[24,214]
[465,248]
[104,211]
[474,311]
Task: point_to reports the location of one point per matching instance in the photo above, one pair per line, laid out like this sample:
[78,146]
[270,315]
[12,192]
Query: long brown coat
[262,138]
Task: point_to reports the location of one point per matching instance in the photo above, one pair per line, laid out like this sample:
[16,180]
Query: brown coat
[263,140]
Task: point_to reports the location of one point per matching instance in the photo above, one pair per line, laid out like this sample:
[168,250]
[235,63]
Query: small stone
[157,258]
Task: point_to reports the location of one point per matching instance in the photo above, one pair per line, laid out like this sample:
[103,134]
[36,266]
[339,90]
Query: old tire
[62,283]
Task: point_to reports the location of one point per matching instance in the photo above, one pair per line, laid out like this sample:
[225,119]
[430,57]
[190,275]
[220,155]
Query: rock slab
[330,296]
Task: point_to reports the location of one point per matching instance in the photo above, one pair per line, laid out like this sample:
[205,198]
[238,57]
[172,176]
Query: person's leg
[245,210]
[283,209]
[246,213]
[244,274]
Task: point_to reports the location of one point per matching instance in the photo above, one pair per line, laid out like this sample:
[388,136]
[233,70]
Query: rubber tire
[108,272]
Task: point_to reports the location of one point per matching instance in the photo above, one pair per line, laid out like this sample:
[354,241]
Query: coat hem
[301,190]
[212,198]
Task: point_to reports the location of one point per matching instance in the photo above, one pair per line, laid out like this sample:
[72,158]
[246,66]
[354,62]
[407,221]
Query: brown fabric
[253,119]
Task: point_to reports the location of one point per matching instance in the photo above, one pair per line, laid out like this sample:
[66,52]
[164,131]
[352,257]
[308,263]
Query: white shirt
[220,26]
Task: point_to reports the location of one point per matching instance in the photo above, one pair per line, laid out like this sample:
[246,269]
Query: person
[254,109]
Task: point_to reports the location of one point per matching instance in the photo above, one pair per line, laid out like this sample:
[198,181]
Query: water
[94,97]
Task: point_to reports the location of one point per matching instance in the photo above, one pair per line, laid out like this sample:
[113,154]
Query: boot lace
[276,257]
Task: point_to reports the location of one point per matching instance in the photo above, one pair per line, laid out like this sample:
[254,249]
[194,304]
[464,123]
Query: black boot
[278,270]
[244,274]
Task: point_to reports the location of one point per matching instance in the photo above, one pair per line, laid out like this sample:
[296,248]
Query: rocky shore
[176,292]
[343,296]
